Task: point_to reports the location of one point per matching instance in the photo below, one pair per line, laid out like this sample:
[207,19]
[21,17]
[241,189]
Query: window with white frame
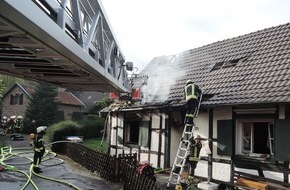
[257,138]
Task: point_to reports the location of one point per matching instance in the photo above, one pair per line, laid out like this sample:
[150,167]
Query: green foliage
[1,93]
[95,144]
[59,131]
[2,143]
[77,116]
[92,126]
[59,116]
[43,106]
[105,102]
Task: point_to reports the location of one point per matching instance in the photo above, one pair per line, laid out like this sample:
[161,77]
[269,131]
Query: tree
[100,105]
[43,106]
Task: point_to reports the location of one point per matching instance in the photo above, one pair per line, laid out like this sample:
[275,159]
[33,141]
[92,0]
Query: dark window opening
[132,132]
[258,138]
[11,99]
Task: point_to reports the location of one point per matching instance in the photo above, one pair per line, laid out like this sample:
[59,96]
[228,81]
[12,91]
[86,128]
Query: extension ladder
[182,153]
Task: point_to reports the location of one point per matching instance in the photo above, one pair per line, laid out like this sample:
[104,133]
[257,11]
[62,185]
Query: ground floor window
[256,138]
[137,133]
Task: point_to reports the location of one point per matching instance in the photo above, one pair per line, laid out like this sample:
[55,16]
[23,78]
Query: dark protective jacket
[39,144]
[195,148]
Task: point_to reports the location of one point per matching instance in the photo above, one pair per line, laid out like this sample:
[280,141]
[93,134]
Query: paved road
[67,171]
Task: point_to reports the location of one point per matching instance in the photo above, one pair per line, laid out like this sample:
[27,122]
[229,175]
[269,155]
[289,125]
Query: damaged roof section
[249,69]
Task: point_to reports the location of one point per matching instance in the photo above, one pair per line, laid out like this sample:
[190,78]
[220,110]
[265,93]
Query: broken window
[137,133]
[257,138]
[132,132]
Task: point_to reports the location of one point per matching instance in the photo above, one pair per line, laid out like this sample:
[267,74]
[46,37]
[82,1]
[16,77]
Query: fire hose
[8,152]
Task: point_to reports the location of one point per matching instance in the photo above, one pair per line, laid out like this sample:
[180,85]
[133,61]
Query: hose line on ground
[7,153]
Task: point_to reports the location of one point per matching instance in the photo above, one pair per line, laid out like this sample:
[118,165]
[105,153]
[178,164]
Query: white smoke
[163,72]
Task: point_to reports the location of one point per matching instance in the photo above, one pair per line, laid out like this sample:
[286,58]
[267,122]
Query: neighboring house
[69,104]
[88,98]
[16,99]
[245,111]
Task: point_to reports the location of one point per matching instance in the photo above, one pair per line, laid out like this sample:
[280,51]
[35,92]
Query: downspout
[123,139]
[233,144]
[117,118]
[167,140]
[109,134]
[150,133]
[160,142]
[210,144]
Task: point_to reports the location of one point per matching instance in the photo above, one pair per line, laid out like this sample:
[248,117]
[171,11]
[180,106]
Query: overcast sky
[146,29]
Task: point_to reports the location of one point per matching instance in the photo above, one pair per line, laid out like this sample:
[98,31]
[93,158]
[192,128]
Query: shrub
[59,131]
[92,126]
[77,116]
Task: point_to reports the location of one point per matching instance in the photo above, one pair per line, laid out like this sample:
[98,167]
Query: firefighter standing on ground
[192,93]
[193,156]
[39,148]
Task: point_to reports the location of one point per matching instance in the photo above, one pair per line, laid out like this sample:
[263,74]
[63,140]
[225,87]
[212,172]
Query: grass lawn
[2,144]
[95,143]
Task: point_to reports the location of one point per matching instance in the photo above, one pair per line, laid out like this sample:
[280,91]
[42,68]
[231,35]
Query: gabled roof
[249,69]
[27,90]
[69,99]
[66,98]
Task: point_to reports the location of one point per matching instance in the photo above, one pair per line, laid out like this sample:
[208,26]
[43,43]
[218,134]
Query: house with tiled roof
[17,97]
[244,113]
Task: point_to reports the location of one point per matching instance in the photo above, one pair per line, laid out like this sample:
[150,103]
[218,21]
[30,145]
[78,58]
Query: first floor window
[257,138]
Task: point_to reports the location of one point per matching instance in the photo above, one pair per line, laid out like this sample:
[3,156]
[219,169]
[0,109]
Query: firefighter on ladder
[192,93]
[39,148]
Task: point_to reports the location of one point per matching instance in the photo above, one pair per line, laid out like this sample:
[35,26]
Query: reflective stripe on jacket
[38,144]
[190,92]
[194,152]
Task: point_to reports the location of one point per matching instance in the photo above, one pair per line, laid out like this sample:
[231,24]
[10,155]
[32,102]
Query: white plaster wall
[268,174]
[113,129]
[154,159]
[144,157]
[174,144]
[154,134]
[221,171]
[201,169]
[120,124]
[201,128]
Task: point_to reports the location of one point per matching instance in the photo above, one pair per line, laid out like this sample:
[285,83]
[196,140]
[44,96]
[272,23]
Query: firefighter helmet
[41,129]
[189,82]
[13,117]
[4,118]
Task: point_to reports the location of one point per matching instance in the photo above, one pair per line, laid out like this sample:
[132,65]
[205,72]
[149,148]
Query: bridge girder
[69,43]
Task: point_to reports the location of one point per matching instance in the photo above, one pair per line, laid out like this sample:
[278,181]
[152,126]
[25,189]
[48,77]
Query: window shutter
[224,137]
[282,140]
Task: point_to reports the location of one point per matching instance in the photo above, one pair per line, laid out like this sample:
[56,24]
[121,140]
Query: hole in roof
[225,64]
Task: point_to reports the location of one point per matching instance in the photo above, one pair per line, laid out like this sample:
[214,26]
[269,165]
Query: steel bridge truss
[68,43]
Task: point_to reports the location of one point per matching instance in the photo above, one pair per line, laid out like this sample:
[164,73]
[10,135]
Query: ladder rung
[181,156]
[183,148]
[188,133]
[174,183]
[179,165]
